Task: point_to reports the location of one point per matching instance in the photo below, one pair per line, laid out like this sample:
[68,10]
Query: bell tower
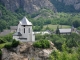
[25,29]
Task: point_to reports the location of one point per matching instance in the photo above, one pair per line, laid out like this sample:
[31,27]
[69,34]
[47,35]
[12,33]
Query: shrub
[41,44]
[15,43]
[2,40]
[8,46]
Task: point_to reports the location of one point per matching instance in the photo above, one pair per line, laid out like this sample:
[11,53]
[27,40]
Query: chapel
[24,31]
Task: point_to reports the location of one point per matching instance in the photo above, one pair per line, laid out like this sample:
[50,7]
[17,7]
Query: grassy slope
[53,27]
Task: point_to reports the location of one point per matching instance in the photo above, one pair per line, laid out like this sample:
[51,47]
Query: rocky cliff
[66,5]
[26,51]
[32,6]
[75,3]
[29,6]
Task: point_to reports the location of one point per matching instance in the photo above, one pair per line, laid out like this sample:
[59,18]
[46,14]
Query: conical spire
[25,21]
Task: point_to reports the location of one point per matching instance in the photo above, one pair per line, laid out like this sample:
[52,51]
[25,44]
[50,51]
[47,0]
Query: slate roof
[13,27]
[64,30]
[25,21]
[17,34]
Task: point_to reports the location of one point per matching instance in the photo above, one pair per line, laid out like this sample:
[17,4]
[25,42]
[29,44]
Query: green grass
[2,45]
[53,27]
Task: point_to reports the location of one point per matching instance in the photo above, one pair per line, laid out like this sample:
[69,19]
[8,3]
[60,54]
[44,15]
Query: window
[29,30]
[24,30]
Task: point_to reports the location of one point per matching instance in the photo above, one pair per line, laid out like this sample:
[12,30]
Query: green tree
[57,30]
[42,44]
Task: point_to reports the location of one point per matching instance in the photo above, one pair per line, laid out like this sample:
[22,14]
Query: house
[24,31]
[65,31]
[68,30]
[43,32]
[8,31]
[13,29]
[5,32]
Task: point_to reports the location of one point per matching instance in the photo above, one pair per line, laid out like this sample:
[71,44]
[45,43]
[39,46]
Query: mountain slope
[32,6]
[67,5]
[29,6]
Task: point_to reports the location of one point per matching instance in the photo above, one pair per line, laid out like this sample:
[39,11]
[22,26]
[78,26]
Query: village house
[68,30]
[24,31]
[65,31]
[43,32]
[13,29]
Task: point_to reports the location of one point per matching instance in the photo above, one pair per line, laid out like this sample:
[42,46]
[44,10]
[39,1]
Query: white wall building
[24,31]
[43,32]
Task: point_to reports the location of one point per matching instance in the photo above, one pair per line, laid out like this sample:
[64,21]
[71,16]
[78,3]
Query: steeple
[24,31]
[25,21]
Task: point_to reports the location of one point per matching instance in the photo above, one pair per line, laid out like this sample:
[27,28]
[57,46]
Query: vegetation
[42,44]
[54,27]
[39,19]
[15,43]
[8,42]
[57,55]
[6,38]
[8,18]
[8,46]
[68,46]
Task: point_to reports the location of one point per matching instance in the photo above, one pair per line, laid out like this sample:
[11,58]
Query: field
[53,27]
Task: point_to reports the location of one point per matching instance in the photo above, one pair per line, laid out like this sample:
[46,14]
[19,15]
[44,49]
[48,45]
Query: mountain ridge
[31,6]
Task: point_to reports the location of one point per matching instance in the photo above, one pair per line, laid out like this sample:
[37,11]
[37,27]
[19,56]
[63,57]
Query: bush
[2,40]
[8,46]
[15,43]
[42,44]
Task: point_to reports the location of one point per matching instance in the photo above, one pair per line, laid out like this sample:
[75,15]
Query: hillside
[67,5]
[33,6]
[30,6]
[38,12]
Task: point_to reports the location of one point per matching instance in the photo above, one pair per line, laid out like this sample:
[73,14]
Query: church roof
[65,30]
[25,21]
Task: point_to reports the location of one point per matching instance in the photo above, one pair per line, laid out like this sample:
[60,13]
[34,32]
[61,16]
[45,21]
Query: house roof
[13,27]
[17,34]
[64,30]
[5,32]
[25,21]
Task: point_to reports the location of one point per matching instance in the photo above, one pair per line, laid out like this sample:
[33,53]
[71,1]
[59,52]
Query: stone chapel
[24,31]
